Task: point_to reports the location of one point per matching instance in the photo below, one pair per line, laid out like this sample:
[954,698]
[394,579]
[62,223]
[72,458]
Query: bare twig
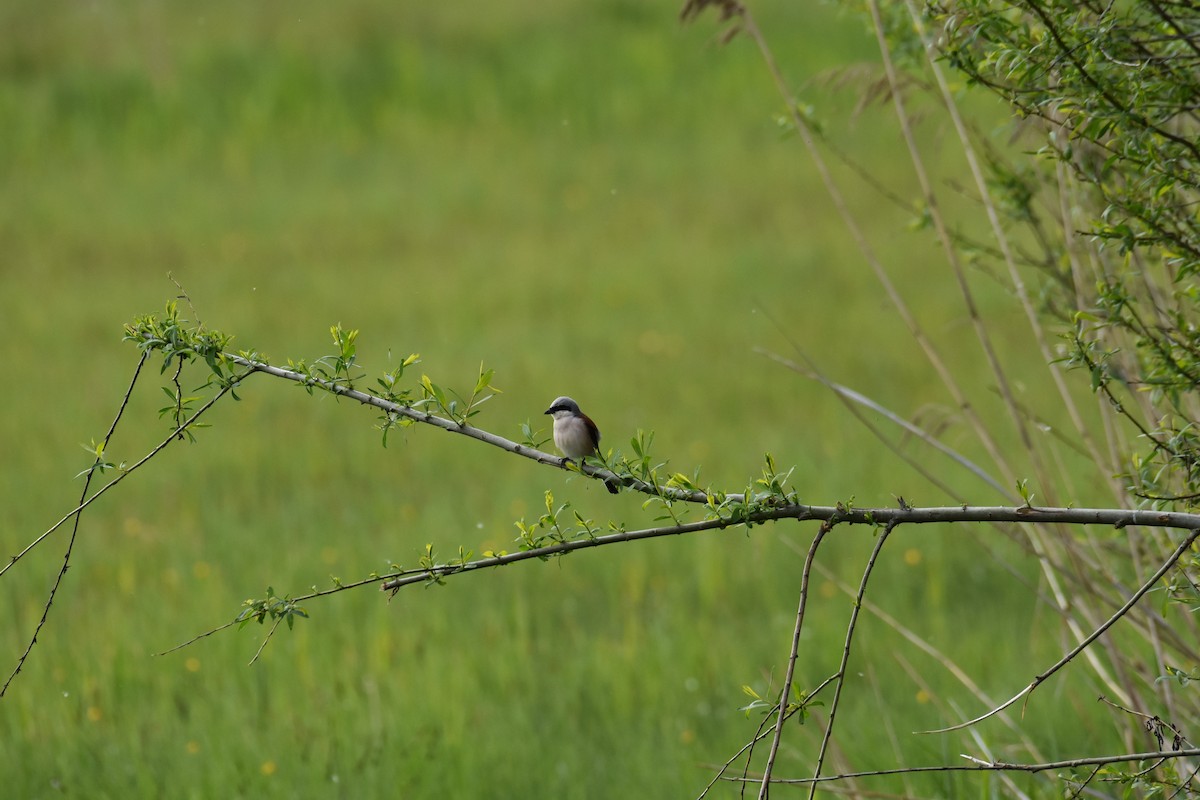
[786,691]
[1066,659]
[124,474]
[841,673]
[87,482]
[198,637]
[977,765]
[838,514]
[937,655]
[266,639]
[84,503]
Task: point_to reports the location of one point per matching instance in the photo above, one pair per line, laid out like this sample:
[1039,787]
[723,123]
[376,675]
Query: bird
[575,435]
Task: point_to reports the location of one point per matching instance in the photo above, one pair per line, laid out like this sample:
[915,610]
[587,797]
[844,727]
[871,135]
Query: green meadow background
[586,197]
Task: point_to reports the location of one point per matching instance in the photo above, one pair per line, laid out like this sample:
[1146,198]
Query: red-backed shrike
[575,435]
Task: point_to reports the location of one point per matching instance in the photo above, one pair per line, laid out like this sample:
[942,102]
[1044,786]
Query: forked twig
[841,673]
[87,482]
[86,501]
[924,646]
[790,674]
[764,730]
[748,748]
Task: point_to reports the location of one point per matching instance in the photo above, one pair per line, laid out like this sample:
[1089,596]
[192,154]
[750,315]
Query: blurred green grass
[588,198]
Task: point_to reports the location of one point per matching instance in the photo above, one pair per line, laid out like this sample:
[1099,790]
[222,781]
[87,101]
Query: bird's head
[563,407]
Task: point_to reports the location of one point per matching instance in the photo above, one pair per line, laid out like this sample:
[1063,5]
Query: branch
[125,472]
[395,581]
[86,501]
[1062,662]
[1103,90]
[391,583]
[472,432]
[988,766]
[841,673]
[795,653]
[760,508]
[762,733]
[77,513]
[828,514]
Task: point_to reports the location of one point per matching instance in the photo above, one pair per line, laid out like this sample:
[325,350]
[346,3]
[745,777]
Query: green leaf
[485,378]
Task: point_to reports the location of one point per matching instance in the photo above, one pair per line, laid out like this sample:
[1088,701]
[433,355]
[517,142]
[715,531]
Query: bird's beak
[547,411]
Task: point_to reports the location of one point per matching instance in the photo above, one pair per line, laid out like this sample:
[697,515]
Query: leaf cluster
[1110,92]
[179,341]
[801,703]
[271,607]
[767,492]
[557,526]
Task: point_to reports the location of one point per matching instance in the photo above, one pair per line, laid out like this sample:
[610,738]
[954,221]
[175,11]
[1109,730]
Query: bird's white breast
[572,437]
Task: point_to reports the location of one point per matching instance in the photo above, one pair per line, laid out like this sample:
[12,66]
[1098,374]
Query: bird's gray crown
[563,404]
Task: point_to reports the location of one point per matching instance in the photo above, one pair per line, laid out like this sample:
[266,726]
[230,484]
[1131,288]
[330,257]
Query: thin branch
[762,733]
[841,673]
[759,735]
[924,646]
[393,582]
[1013,790]
[1066,659]
[828,514]
[265,640]
[198,637]
[1184,783]
[764,730]
[84,503]
[77,513]
[1083,784]
[989,766]
[124,474]
[786,691]
[1153,724]
[416,415]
